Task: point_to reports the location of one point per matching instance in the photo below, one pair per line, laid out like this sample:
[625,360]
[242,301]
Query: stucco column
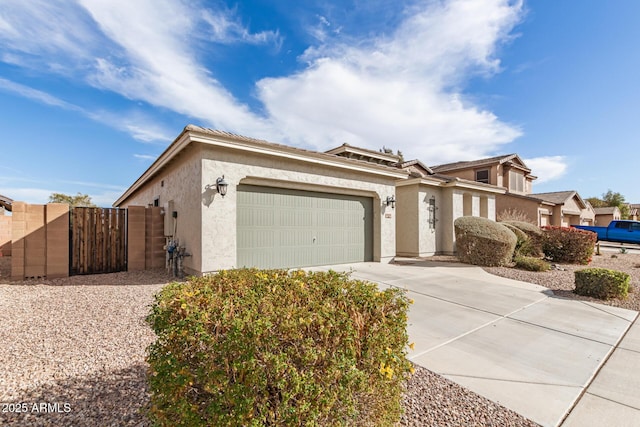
[475,205]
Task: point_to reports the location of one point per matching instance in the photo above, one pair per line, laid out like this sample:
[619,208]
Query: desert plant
[533,247]
[602,283]
[513,214]
[568,244]
[272,347]
[531,264]
[481,241]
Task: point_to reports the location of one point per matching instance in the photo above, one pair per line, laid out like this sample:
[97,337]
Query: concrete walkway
[515,343]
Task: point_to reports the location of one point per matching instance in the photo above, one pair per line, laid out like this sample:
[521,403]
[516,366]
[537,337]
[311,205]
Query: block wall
[39,241]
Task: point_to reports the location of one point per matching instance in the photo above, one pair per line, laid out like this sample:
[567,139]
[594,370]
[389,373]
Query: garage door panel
[290,228]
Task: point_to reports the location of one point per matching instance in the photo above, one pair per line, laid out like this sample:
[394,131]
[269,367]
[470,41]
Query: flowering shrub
[602,283]
[274,347]
[568,244]
[481,241]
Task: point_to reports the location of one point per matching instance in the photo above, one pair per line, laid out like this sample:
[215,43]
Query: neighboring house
[568,208]
[289,207]
[510,172]
[5,226]
[634,211]
[607,214]
[5,204]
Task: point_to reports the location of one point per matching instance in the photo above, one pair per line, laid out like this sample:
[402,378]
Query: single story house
[233,201]
[606,214]
[5,226]
[569,208]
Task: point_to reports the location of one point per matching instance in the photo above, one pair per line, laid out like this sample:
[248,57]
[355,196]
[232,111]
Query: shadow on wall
[116,398]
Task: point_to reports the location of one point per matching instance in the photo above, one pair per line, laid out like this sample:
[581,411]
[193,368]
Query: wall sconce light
[391,200]
[221,186]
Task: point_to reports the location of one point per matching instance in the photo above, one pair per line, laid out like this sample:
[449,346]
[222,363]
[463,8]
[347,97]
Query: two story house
[562,208]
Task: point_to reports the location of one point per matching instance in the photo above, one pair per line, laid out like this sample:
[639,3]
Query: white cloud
[146,157]
[547,168]
[35,95]
[401,91]
[224,27]
[404,89]
[159,63]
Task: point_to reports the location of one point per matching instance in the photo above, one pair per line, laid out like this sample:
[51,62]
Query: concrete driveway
[513,342]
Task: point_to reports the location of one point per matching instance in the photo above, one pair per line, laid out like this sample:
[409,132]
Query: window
[516,181]
[482,176]
[156,202]
[624,225]
[635,227]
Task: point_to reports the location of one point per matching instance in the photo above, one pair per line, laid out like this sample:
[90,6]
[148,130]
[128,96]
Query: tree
[610,199]
[79,200]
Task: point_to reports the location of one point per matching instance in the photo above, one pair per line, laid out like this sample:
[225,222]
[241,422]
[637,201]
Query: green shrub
[532,247]
[531,264]
[524,246]
[481,241]
[277,348]
[602,283]
[568,244]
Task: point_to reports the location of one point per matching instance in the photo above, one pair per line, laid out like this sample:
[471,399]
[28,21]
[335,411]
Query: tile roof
[607,210]
[557,197]
[473,163]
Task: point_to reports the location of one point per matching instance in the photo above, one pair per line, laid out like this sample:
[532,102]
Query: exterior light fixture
[391,200]
[221,186]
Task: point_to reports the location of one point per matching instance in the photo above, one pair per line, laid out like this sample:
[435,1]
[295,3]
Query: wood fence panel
[98,240]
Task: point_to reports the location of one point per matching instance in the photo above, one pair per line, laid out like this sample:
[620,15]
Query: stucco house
[510,172]
[5,226]
[606,214]
[235,201]
[568,208]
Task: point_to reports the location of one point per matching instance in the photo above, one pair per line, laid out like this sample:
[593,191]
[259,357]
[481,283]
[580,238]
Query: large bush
[533,246]
[481,241]
[602,283]
[277,348]
[568,244]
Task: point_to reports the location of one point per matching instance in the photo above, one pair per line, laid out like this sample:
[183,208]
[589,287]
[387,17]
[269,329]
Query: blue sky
[91,92]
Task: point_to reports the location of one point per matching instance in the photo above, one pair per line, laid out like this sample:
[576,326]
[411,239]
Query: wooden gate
[98,240]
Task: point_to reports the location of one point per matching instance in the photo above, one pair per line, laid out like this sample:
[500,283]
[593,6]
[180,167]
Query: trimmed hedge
[533,247]
[481,241]
[602,283]
[274,347]
[568,244]
[531,264]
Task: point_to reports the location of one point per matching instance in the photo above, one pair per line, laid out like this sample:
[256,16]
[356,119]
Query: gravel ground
[73,351]
[561,281]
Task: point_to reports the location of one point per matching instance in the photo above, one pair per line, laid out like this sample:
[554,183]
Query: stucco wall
[506,202]
[407,220]
[415,237]
[572,205]
[180,182]
[218,246]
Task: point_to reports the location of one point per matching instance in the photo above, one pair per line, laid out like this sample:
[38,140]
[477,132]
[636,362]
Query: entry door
[280,228]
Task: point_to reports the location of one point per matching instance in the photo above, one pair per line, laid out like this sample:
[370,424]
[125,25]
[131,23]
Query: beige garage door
[279,228]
